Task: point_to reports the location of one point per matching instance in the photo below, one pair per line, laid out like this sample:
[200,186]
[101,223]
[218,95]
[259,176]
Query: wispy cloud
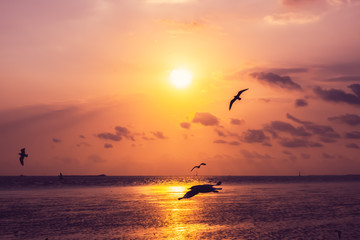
[185,125]
[159,135]
[56,140]
[352,145]
[337,95]
[301,103]
[325,133]
[206,119]
[276,80]
[292,18]
[350,119]
[108,145]
[353,135]
[254,136]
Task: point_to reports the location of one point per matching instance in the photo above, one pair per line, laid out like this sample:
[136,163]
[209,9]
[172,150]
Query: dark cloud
[185,125]
[292,143]
[124,132]
[353,135]
[300,103]
[254,136]
[206,119]
[315,144]
[159,135]
[108,145]
[325,133]
[352,145]
[220,133]
[220,141]
[297,142]
[279,126]
[109,136]
[56,140]
[276,80]
[355,88]
[235,121]
[350,119]
[344,79]
[336,95]
[266,144]
[120,133]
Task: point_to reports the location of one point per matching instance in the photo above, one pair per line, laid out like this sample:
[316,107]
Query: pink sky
[85,87]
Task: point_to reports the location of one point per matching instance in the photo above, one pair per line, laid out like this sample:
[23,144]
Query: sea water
[99,207]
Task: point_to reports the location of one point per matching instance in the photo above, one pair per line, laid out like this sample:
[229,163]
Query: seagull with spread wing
[237,97]
[197,166]
[22,156]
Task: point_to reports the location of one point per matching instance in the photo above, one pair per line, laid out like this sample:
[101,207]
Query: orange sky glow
[85,87]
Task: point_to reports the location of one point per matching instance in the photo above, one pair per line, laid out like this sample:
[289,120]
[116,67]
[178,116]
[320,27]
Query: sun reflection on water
[179,219]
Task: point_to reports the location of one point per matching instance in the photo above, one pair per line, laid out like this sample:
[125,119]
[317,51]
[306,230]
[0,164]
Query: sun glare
[180,77]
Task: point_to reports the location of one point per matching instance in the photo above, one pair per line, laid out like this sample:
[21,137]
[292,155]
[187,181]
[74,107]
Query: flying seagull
[198,166]
[237,97]
[205,188]
[22,156]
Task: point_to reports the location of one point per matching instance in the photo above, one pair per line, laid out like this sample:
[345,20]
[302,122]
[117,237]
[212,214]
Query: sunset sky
[85,87]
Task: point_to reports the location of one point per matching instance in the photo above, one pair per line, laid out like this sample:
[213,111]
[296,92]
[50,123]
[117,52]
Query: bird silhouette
[197,166]
[205,188]
[22,156]
[237,97]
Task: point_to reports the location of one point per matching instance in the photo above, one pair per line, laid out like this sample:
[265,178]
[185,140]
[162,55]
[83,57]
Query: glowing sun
[180,77]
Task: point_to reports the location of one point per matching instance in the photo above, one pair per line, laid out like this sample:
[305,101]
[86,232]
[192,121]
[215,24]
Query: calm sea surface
[96,207]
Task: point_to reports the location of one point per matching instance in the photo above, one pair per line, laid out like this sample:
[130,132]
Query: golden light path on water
[182,219]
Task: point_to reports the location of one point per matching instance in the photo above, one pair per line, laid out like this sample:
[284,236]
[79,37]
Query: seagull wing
[23,150]
[231,103]
[240,92]
[193,168]
[202,163]
[21,158]
[190,194]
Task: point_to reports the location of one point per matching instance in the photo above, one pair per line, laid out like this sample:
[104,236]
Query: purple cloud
[109,136]
[108,145]
[297,142]
[344,79]
[185,125]
[326,133]
[300,103]
[353,135]
[352,145]
[336,95]
[235,121]
[206,119]
[120,133]
[254,136]
[159,135]
[124,132]
[350,119]
[279,126]
[276,80]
